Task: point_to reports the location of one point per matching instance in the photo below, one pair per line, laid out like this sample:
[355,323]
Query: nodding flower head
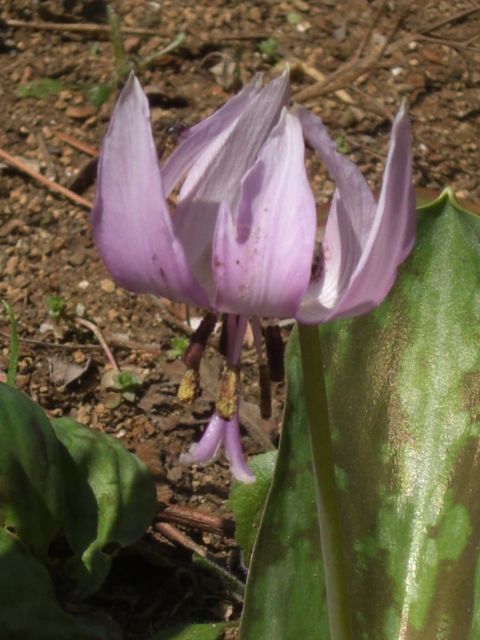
[241,240]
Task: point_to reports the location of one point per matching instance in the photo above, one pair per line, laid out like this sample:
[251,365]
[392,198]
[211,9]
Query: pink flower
[242,238]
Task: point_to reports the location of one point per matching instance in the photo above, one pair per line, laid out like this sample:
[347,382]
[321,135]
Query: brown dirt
[373,54]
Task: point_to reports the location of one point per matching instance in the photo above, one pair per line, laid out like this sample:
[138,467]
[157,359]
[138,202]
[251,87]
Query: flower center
[269,348]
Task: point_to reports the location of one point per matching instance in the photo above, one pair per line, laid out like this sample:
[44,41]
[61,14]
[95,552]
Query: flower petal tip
[187,459]
[243,475]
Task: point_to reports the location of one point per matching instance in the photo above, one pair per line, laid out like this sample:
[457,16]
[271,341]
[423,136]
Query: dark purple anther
[194,352]
[275,352]
[265,392]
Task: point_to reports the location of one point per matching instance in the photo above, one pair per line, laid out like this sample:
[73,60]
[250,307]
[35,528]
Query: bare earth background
[352,62]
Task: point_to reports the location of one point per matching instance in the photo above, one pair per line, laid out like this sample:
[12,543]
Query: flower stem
[326,490]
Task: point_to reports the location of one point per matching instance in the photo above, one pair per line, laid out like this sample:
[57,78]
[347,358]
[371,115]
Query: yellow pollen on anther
[189,388]
[228,389]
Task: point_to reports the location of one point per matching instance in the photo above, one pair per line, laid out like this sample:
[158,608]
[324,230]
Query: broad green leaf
[247,500]
[192,632]
[28,606]
[31,488]
[404,399]
[285,588]
[407,433]
[40,89]
[111,500]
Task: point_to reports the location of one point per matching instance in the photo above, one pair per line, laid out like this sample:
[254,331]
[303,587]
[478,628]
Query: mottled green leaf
[247,500]
[111,500]
[31,489]
[404,399]
[407,436]
[285,596]
[191,632]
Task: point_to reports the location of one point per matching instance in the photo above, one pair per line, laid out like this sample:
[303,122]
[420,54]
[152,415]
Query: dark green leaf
[31,488]
[28,606]
[111,500]
[191,632]
[248,499]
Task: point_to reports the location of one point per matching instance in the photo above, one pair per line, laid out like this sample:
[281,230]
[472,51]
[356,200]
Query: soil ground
[352,62]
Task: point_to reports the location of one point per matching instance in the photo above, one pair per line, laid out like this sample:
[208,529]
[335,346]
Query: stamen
[194,352]
[265,392]
[228,392]
[189,388]
[275,352]
[223,346]
[229,385]
[263,371]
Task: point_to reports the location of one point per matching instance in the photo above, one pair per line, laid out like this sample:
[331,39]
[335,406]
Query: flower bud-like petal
[364,241]
[132,225]
[220,161]
[262,259]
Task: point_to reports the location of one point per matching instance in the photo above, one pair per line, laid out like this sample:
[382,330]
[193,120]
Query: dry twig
[178,537]
[81,27]
[52,186]
[77,144]
[103,29]
[98,334]
[371,27]
[196,519]
[357,67]
[51,345]
[320,77]
[351,70]
[122,341]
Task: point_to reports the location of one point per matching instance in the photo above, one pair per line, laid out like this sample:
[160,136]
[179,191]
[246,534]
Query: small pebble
[107,285]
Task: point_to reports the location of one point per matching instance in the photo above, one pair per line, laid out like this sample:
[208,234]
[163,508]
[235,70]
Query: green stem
[326,490]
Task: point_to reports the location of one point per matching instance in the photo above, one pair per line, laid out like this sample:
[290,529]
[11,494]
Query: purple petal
[363,255]
[233,447]
[219,167]
[341,252]
[393,230]
[207,448]
[194,140]
[262,261]
[132,226]
[350,183]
